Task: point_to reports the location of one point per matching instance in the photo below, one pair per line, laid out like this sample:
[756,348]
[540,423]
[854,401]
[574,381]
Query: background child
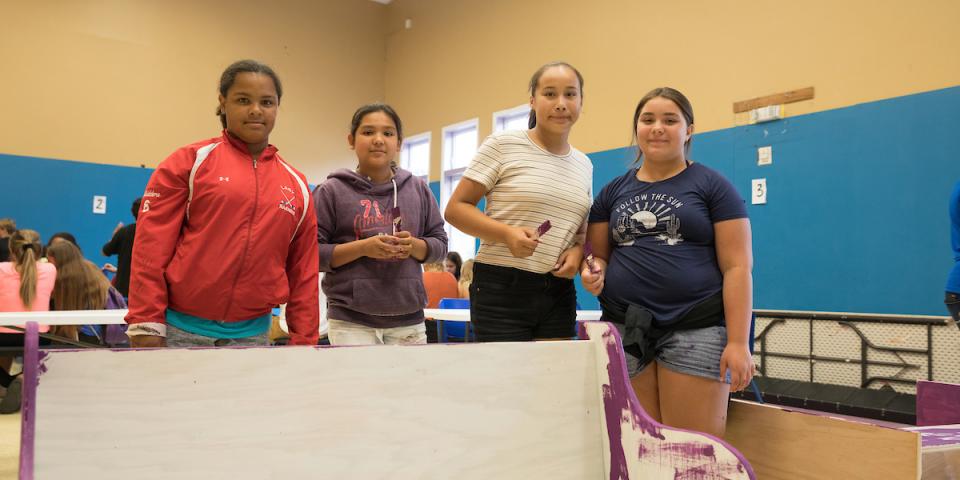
[466,278]
[439,284]
[81,286]
[25,285]
[453,264]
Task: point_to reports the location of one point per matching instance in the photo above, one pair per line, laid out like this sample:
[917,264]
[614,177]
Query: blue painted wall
[52,196]
[435,188]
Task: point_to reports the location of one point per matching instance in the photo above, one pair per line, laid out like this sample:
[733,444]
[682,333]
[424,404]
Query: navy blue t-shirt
[664,256]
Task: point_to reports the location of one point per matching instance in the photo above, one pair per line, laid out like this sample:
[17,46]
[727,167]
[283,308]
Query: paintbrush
[397,220]
[588,255]
[543,228]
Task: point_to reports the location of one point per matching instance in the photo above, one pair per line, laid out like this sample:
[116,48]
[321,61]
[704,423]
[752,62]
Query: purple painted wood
[937,403]
[692,460]
[28,403]
[939,436]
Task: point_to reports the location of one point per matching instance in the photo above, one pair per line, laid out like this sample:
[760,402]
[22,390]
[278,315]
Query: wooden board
[559,410]
[775,99]
[358,412]
[785,444]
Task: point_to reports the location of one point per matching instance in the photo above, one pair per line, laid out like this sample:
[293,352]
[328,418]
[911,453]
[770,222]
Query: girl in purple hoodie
[376,224]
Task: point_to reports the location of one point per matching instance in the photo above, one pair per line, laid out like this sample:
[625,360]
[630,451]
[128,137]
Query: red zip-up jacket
[242,240]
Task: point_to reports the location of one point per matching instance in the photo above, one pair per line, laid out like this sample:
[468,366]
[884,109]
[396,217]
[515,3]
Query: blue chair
[450,329]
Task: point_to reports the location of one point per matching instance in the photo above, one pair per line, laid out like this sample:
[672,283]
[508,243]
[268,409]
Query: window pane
[461,243]
[419,154]
[516,122]
[405,158]
[457,241]
[463,147]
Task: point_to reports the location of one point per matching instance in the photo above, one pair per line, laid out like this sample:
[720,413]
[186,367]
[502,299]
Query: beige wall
[127,81]
[469,58]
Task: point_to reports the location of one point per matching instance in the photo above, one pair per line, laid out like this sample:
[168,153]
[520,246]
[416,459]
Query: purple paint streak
[691,460]
[939,436]
[28,413]
[937,403]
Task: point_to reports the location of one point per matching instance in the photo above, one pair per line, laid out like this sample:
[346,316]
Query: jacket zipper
[246,245]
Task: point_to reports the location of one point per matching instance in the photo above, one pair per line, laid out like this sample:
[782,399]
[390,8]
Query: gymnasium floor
[9,445]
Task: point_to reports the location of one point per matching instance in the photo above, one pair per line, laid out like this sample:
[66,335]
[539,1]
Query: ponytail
[25,250]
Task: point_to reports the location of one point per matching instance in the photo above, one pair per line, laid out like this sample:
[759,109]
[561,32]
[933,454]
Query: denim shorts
[513,305]
[693,352]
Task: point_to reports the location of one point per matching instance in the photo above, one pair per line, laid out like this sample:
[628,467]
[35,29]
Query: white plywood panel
[362,412]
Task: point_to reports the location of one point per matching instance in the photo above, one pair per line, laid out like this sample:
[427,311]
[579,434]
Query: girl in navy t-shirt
[672,267]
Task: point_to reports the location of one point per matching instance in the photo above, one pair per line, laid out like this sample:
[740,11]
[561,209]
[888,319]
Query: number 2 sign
[99,204]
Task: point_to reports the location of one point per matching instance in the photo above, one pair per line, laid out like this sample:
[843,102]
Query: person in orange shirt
[439,284]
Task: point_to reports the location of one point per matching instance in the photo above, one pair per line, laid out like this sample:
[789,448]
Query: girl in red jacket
[226,232]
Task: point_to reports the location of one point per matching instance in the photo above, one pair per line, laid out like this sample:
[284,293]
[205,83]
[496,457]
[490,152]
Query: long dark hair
[454,258]
[535,82]
[79,285]
[681,101]
[244,66]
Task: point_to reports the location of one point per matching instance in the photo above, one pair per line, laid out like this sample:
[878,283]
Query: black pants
[952,301]
[512,305]
[12,340]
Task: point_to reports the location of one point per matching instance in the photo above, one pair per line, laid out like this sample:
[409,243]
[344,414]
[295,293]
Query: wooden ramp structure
[558,410]
[796,444]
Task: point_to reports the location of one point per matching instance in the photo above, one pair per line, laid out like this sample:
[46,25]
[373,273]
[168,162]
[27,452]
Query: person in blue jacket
[952,297]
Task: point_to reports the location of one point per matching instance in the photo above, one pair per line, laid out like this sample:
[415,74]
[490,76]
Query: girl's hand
[381,246]
[521,241]
[405,244]
[736,360]
[566,266]
[592,280]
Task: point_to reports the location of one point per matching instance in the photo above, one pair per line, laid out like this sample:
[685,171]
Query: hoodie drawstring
[394,180]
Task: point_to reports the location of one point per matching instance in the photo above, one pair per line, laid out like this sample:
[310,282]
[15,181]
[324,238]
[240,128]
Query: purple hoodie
[373,292]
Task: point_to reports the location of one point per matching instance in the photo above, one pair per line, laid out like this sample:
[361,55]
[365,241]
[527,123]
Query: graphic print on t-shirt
[648,215]
[371,220]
